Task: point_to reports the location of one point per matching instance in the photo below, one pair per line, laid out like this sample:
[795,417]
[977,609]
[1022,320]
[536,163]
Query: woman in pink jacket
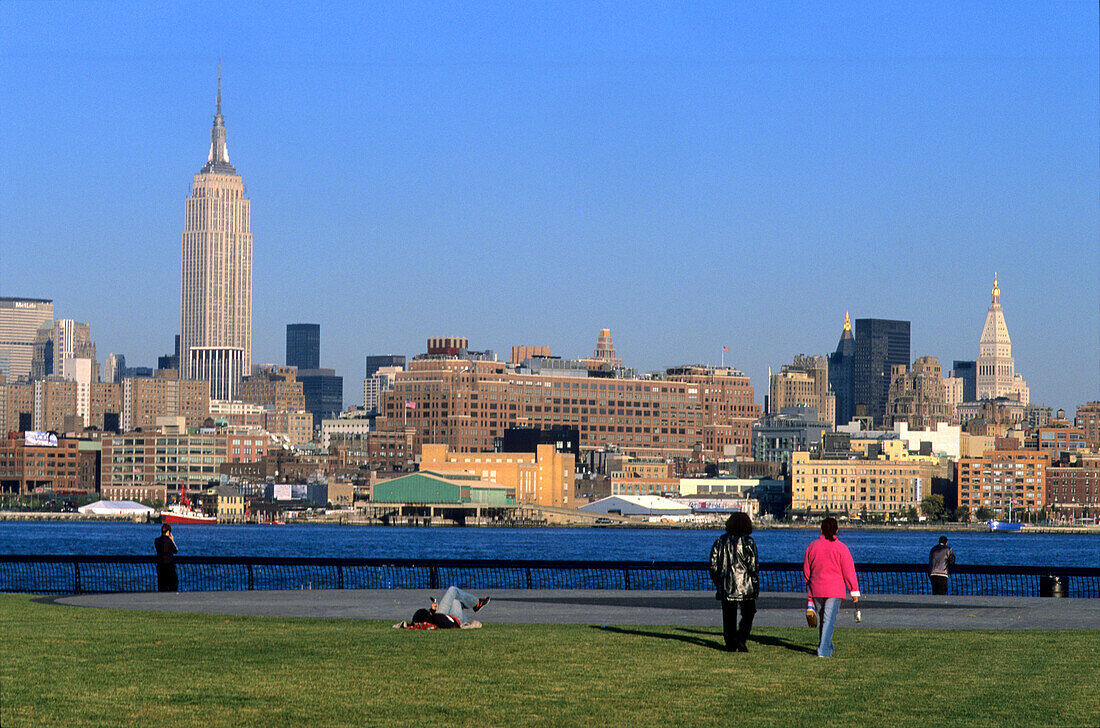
[829,571]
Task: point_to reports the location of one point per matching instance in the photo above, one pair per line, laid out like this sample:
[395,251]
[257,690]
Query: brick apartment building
[467,404]
[1073,487]
[28,469]
[1004,479]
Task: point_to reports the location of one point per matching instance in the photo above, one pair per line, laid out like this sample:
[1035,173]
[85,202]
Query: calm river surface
[601,544]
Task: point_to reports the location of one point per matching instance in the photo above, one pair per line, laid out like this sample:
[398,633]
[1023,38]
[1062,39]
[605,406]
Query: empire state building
[216,272]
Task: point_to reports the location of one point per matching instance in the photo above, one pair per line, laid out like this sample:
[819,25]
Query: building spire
[217,161]
[996,290]
[847,322]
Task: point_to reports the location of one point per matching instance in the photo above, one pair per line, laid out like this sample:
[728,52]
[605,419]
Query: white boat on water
[1004,526]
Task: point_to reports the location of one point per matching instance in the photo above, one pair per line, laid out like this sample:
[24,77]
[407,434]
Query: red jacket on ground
[828,568]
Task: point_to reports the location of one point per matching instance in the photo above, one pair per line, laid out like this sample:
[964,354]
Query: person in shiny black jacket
[734,571]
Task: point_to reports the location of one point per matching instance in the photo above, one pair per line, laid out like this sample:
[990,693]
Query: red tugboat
[182,512]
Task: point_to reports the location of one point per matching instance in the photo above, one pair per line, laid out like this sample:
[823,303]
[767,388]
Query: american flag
[409,404]
[725,348]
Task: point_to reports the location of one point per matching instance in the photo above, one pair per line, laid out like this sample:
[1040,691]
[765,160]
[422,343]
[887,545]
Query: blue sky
[689,176]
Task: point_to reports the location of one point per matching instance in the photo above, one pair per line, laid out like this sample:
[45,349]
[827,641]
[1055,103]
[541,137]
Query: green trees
[932,506]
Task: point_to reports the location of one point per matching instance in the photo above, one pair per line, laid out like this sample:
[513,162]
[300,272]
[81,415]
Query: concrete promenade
[622,607]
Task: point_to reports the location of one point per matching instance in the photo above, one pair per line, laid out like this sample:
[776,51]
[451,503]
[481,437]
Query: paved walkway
[623,607]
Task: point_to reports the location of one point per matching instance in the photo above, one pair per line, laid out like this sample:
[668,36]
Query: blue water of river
[599,544]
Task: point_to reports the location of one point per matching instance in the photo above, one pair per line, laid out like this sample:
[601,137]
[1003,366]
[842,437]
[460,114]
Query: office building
[917,397]
[996,369]
[20,319]
[803,383]
[775,436]
[604,357]
[291,429]
[116,365]
[522,353]
[880,344]
[856,487]
[374,362]
[1054,439]
[323,392]
[170,361]
[842,374]
[216,272]
[544,477]
[42,404]
[275,387]
[380,370]
[644,476]
[1088,419]
[377,383]
[967,371]
[303,346]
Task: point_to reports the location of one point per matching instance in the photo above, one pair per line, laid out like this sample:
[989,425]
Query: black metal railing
[78,574]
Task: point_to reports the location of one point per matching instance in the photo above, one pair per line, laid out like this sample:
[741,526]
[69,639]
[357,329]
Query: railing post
[250,584]
[76,577]
[530,583]
[339,576]
[626,578]
[433,577]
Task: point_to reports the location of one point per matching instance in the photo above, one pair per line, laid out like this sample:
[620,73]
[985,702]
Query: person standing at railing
[940,560]
[829,571]
[165,544]
[734,569]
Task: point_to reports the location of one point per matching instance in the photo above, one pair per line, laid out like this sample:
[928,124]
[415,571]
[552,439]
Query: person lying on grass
[447,613]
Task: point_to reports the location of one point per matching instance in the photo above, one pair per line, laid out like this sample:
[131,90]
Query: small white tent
[115,508]
[638,505]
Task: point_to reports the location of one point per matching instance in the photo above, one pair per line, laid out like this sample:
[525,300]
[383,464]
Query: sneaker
[811,615]
[481,603]
[401,625]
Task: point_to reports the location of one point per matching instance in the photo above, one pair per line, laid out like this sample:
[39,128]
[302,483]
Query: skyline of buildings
[682,207]
[214,343]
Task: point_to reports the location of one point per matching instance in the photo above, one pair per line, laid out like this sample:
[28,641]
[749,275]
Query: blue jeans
[454,599]
[827,610]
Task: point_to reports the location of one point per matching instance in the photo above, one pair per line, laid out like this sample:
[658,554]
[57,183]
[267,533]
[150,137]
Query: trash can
[1053,586]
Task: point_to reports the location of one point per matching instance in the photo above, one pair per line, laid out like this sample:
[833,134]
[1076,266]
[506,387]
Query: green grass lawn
[66,666]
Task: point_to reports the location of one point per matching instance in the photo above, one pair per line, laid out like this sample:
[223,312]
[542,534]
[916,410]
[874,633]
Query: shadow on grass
[713,644]
[699,641]
[767,641]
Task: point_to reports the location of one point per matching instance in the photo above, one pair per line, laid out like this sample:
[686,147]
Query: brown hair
[739,524]
[165,528]
[829,528]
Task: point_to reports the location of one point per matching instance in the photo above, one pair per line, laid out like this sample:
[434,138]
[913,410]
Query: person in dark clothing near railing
[734,569]
[940,560]
[165,544]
